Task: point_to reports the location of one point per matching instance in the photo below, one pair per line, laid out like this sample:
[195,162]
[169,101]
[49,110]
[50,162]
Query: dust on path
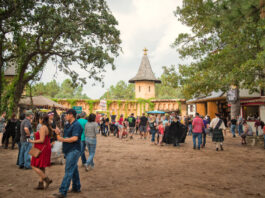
[135,168]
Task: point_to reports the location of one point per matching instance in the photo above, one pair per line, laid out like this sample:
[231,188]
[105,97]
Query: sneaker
[87,168]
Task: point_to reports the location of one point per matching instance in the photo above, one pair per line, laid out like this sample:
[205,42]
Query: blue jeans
[233,129]
[153,132]
[194,137]
[19,148]
[91,145]
[190,129]
[240,129]
[24,157]
[83,148]
[71,172]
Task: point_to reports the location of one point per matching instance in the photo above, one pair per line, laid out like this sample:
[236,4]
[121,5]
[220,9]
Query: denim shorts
[143,129]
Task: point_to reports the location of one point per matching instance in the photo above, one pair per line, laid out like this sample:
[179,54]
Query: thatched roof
[145,72]
[41,102]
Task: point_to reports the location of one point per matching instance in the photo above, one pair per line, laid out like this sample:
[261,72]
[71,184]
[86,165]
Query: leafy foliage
[120,91]
[54,90]
[82,34]
[226,44]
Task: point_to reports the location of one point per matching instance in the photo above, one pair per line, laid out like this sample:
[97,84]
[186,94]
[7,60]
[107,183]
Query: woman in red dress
[42,142]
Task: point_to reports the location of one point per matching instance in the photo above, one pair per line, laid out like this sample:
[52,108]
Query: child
[161,132]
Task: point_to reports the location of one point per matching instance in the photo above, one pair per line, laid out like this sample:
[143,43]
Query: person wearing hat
[25,130]
[72,150]
[217,126]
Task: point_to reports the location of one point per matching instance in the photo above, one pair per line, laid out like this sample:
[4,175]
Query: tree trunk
[235,107]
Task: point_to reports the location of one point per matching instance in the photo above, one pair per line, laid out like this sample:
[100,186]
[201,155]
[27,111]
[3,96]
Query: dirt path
[134,168]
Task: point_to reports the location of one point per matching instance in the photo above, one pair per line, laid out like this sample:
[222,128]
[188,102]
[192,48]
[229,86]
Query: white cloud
[142,23]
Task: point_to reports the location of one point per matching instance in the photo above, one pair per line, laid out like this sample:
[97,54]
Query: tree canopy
[54,90]
[169,87]
[120,91]
[71,34]
[227,45]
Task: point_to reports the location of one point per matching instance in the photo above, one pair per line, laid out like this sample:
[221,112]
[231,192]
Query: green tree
[169,87]
[54,90]
[73,32]
[227,46]
[120,91]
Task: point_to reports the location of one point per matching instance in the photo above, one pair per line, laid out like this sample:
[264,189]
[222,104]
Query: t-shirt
[161,129]
[152,125]
[198,125]
[233,121]
[70,130]
[120,121]
[143,121]
[25,124]
[131,121]
[83,122]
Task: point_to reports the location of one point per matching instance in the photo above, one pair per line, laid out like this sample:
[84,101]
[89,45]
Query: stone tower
[145,79]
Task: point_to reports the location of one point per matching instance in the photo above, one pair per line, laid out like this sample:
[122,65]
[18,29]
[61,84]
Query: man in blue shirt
[71,149]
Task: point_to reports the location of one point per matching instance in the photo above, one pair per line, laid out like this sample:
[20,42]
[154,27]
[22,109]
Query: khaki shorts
[131,130]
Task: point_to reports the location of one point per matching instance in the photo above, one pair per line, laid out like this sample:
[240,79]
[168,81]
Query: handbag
[35,152]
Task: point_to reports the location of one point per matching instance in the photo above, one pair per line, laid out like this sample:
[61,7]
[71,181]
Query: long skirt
[218,135]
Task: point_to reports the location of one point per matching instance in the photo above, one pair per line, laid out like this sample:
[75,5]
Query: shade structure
[156,112]
[41,102]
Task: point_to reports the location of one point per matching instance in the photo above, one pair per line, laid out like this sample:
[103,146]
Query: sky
[142,23]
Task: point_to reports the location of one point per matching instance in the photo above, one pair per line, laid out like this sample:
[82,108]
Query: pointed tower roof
[145,72]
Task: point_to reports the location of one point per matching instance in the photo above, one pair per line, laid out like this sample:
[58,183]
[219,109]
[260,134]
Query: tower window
[139,89]
[149,89]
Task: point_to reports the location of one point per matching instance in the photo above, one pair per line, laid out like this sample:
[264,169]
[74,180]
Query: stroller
[57,156]
[113,128]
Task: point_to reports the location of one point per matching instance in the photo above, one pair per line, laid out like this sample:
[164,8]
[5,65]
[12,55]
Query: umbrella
[40,101]
[156,112]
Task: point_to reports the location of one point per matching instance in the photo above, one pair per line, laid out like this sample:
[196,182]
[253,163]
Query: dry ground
[135,168]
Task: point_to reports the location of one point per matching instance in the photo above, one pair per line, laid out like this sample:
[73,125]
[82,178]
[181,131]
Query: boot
[40,186]
[47,181]
[221,147]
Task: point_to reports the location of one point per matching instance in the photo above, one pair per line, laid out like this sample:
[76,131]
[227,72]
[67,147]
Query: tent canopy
[156,112]
[41,102]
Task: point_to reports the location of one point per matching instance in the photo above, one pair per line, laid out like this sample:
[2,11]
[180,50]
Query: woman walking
[42,142]
[91,131]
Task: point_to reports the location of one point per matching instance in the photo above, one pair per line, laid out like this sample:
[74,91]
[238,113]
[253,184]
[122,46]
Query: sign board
[232,95]
[103,105]
[78,109]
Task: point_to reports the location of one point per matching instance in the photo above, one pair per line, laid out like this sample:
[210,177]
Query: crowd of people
[78,132]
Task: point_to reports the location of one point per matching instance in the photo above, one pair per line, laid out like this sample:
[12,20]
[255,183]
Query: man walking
[132,122]
[71,149]
[143,126]
[198,126]
[83,122]
[26,131]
